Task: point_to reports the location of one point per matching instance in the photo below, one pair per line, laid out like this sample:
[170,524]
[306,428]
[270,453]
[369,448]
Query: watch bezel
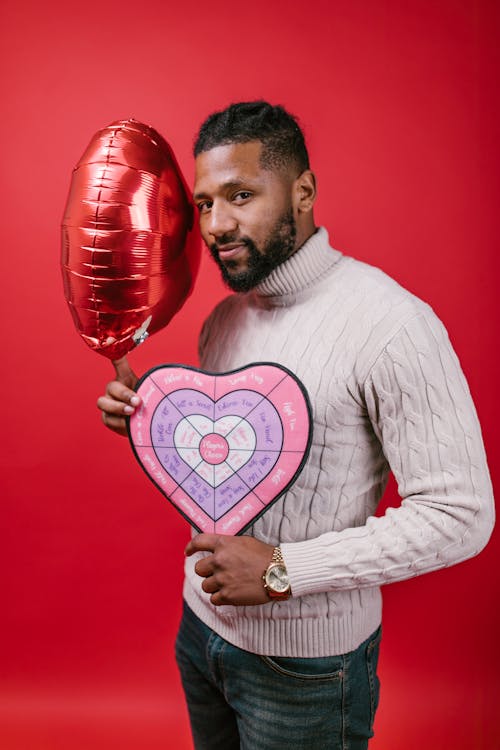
[268,583]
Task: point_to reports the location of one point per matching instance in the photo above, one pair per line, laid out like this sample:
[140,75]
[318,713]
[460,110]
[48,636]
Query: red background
[399,102]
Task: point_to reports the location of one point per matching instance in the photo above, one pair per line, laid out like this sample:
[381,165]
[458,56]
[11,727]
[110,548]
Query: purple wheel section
[201,492]
[228,494]
[266,422]
[165,420]
[189,401]
[237,403]
[258,467]
[173,464]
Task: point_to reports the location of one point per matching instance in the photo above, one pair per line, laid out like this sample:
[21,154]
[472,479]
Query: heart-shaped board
[221,447]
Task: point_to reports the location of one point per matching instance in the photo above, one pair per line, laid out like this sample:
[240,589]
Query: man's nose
[221,221]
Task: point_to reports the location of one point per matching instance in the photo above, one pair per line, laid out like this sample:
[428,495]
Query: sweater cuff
[306,564]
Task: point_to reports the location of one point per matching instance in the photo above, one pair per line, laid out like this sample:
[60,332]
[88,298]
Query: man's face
[246,213]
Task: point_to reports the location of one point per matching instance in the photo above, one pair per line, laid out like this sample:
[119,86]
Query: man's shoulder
[365,293]
[370,283]
[226,307]
[375,310]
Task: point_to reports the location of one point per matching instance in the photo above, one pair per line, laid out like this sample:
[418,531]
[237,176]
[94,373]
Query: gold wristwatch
[276,581]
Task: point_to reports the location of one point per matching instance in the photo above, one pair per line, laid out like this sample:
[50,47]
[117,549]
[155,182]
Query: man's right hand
[119,399]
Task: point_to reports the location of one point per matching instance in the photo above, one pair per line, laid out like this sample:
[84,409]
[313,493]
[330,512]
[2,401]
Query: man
[266,662]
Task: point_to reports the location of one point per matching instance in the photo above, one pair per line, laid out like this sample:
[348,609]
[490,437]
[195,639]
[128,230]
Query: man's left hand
[232,574]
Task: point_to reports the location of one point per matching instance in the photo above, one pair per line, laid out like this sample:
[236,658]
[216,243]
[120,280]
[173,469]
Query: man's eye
[204,206]
[241,196]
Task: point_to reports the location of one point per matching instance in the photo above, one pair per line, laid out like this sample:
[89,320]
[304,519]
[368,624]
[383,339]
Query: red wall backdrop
[399,101]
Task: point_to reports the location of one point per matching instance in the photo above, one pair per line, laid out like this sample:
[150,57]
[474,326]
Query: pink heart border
[197,517]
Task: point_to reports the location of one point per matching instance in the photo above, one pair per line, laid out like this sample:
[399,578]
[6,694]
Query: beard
[278,247]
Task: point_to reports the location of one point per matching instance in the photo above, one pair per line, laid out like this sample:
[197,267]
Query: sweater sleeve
[421,410]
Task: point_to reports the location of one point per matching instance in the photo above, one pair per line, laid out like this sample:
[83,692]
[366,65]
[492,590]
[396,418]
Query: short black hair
[278,131]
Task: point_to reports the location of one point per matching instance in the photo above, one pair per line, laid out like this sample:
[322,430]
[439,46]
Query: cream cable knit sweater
[388,394]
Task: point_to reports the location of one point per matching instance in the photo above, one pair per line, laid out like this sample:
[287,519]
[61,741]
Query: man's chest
[319,349]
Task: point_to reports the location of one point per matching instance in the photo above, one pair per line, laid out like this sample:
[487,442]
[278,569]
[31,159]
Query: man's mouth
[229,251]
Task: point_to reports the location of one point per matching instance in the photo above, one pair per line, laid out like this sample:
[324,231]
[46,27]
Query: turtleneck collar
[306,266]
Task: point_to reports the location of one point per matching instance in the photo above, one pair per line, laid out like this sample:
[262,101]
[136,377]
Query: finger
[121,392]
[201,542]
[116,424]
[205,567]
[210,585]
[218,598]
[113,407]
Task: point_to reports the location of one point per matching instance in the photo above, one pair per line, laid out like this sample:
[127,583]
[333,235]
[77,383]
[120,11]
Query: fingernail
[128,409]
[135,400]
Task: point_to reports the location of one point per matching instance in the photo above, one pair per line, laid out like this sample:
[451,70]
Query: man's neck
[304,233]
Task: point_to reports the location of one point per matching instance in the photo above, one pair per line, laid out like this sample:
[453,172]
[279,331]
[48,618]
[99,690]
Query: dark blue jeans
[241,700]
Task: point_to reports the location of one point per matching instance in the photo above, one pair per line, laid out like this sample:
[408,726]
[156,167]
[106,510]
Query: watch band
[277,556]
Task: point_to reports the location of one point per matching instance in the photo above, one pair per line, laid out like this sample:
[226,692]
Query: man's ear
[304,191]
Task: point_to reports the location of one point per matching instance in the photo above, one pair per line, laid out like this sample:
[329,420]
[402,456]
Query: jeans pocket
[320,669]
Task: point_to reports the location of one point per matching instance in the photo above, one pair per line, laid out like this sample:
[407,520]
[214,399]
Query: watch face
[277,578]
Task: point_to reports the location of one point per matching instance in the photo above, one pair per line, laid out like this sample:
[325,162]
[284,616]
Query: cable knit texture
[388,394]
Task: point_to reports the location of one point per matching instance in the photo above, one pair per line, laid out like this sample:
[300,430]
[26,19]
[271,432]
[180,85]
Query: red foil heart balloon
[130,244]
[221,448]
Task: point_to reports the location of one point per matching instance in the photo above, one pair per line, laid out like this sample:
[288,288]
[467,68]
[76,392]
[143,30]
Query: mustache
[230,239]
